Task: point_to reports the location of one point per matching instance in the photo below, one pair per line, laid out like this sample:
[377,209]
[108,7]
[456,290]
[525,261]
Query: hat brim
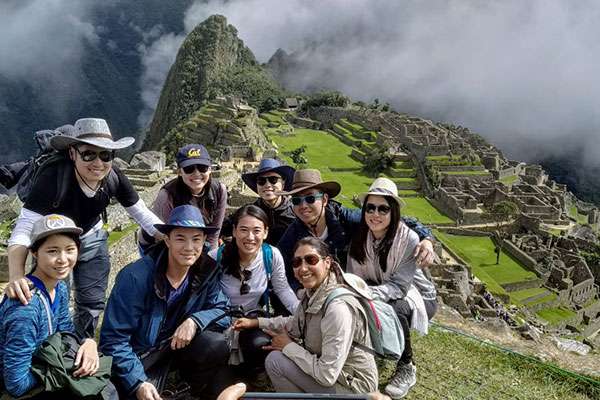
[63,142]
[166,228]
[195,161]
[285,171]
[331,188]
[75,230]
[361,197]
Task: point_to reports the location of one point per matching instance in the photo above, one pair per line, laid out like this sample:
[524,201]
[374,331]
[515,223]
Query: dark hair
[320,246]
[359,240]
[36,245]
[231,257]
[182,195]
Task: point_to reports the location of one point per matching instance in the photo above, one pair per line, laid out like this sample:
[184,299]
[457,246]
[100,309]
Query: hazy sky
[522,73]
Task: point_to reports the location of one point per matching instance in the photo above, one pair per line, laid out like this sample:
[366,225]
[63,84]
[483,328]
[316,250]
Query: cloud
[42,42]
[523,74]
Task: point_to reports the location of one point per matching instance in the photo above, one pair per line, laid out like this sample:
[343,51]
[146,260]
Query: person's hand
[87,359]
[233,392]
[184,334]
[19,289]
[245,323]
[424,253]
[147,391]
[278,340]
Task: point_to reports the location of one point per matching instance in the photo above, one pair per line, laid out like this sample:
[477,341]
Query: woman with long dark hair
[194,185]
[321,347]
[253,271]
[382,252]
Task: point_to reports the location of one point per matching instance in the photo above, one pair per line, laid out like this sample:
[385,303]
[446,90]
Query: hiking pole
[293,396]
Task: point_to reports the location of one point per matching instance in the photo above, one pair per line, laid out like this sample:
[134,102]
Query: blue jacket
[136,311]
[22,331]
[341,222]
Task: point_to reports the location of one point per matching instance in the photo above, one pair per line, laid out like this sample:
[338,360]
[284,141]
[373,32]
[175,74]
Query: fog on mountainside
[523,74]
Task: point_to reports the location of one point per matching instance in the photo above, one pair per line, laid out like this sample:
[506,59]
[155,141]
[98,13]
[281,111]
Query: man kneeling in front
[167,311]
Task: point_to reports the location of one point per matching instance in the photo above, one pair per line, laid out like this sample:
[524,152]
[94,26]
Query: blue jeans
[90,280]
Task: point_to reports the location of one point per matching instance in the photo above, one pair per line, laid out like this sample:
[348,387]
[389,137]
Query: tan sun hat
[311,179]
[383,187]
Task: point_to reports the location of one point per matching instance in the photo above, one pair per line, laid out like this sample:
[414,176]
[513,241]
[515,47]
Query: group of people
[214,298]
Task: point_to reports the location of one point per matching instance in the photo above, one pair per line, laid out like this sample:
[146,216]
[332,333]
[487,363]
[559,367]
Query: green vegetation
[6,228]
[509,180]
[555,316]
[521,297]
[581,219]
[479,253]
[421,208]
[326,98]
[115,236]
[482,172]
[453,366]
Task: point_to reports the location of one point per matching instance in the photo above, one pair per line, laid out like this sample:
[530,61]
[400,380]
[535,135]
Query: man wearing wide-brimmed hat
[318,215]
[170,307]
[79,185]
[271,177]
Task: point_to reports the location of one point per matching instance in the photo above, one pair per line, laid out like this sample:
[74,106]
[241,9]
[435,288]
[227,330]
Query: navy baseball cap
[193,154]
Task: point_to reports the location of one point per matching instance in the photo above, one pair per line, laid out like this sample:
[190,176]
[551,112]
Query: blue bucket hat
[193,154]
[185,216]
[270,165]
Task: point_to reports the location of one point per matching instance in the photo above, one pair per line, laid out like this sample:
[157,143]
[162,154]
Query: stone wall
[520,256]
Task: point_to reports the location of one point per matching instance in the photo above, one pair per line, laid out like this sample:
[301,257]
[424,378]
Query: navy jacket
[136,312]
[341,222]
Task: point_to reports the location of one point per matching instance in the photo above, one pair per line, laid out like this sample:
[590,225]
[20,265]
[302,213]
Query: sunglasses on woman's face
[310,199]
[382,209]
[90,155]
[191,168]
[262,180]
[310,259]
[245,287]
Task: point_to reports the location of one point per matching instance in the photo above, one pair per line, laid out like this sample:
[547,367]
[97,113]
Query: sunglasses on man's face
[262,180]
[191,168]
[310,199]
[381,209]
[90,155]
[310,259]
[245,287]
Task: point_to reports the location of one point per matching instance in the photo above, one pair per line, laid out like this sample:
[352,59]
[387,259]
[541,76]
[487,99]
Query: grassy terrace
[532,296]
[509,180]
[332,157]
[580,218]
[478,252]
[484,172]
[555,316]
[115,236]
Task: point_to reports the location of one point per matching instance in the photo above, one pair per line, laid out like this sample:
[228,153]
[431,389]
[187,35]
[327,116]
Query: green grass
[478,252]
[580,218]
[509,180]
[6,228]
[421,208]
[520,295]
[115,236]
[554,316]
[484,172]
[356,127]
[452,366]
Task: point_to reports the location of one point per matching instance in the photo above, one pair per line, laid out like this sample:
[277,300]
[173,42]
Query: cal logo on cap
[55,221]
[193,153]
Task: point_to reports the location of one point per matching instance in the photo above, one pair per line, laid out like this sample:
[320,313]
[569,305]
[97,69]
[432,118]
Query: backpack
[387,336]
[268,264]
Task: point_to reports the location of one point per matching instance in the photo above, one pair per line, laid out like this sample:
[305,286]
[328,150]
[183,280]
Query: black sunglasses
[245,287]
[90,155]
[311,259]
[310,199]
[191,168]
[262,180]
[382,209]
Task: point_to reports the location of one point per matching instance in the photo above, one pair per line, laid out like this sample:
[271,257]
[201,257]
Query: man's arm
[424,251]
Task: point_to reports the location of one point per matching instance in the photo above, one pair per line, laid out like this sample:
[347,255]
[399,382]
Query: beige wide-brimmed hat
[311,179]
[92,131]
[382,187]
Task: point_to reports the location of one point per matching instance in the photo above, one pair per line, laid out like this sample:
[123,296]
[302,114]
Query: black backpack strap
[112,185]
[62,181]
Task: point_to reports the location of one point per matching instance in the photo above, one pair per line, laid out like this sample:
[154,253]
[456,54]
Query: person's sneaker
[404,378]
